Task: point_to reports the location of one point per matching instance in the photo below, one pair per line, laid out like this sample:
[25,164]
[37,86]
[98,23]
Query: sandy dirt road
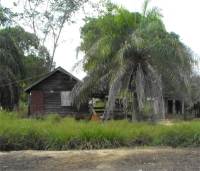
[156,159]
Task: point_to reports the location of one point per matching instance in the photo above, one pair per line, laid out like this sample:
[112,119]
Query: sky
[179,16]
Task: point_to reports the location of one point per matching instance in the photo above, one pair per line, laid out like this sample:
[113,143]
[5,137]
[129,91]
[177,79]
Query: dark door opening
[170,106]
[178,106]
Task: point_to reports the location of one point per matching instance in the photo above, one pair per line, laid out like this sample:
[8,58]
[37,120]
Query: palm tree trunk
[156,110]
[136,114]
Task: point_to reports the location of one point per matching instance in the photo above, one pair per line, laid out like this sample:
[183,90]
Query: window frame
[65,98]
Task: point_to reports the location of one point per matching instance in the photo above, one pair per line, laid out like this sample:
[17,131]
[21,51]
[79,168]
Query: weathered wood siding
[52,87]
[37,103]
[56,82]
[52,104]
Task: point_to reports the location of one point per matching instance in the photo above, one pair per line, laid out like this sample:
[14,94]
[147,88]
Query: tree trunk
[136,114]
[156,111]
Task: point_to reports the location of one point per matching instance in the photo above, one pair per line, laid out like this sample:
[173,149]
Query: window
[65,98]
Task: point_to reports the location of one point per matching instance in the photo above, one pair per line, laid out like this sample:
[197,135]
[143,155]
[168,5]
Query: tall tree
[132,53]
[33,62]
[20,62]
[47,20]
[11,69]
[6,16]
[27,45]
[26,42]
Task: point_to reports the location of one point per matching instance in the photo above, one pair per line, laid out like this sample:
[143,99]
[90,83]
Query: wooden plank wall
[56,82]
[52,87]
[52,104]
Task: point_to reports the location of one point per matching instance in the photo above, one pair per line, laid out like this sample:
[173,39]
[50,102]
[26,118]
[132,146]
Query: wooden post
[166,106]
[174,107]
[193,113]
[182,107]
[92,109]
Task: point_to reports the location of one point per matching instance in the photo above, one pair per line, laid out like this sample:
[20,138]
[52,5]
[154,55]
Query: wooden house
[174,104]
[51,95]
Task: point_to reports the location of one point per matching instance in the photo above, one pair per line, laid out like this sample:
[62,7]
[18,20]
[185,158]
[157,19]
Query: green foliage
[11,69]
[183,134]
[99,104]
[35,69]
[26,41]
[5,17]
[15,43]
[19,60]
[146,108]
[133,53]
[194,88]
[47,20]
[55,133]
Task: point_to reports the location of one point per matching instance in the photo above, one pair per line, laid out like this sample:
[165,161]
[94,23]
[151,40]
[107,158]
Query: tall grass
[55,133]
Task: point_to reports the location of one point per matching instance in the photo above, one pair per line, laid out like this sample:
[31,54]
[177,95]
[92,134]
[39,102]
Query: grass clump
[55,133]
[181,134]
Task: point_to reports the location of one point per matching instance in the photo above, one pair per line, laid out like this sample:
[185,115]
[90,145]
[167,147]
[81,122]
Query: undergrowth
[55,133]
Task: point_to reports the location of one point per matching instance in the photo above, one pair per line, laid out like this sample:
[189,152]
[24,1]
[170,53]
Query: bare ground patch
[156,159]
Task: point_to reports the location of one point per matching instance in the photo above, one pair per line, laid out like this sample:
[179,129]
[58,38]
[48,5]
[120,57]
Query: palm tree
[11,63]
[11,69]
[133,54]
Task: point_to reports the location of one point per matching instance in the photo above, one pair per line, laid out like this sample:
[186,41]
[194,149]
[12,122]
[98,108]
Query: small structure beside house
[51,95]
[173,105]
[194,109]
[98,103]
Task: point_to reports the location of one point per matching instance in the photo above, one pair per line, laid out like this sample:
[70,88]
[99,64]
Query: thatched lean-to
[51,94]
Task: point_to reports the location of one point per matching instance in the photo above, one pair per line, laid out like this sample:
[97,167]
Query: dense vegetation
[127,54]
[133,56]
[25,56]
[20,64]
[55,133]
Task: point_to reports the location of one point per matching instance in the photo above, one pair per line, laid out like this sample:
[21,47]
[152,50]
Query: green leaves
[135,47]
[47,20]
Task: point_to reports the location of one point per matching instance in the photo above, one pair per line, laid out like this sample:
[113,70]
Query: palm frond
[9,90]
[144,7]
[11,56]
[115,87]
[130,48]
[96,80]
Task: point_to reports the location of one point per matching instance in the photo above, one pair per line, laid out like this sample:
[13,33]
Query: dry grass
[166,122]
